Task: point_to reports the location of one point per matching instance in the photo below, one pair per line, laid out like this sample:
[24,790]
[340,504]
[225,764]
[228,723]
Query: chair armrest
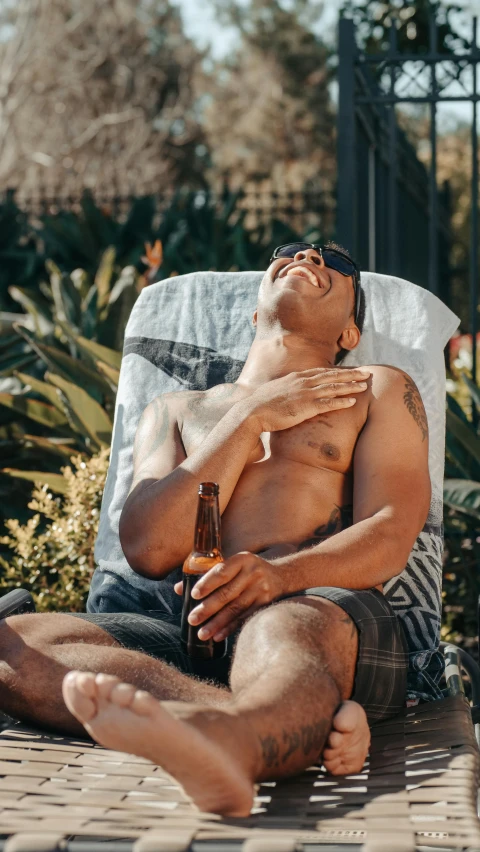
[16,603]
[457,657]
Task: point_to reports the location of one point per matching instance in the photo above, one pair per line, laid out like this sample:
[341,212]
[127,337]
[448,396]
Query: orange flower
[153,256]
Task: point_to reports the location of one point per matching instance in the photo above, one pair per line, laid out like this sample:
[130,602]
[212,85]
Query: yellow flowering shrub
[52,554]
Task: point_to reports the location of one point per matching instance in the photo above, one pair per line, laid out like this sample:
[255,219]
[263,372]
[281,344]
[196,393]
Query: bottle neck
[207,525]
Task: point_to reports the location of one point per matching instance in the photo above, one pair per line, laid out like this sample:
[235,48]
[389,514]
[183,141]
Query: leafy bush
[198,231]
[43,421]
[73,309]
[53,552]
[461,586]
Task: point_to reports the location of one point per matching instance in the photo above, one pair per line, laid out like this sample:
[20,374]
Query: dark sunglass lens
[336,261]
[291,249]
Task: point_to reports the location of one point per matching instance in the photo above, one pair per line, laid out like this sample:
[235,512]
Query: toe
[330,754]
[78,689]
[333,766]
[105,684]
[143,703]
[335,739]
[348,717]
[122,694]
[84,682]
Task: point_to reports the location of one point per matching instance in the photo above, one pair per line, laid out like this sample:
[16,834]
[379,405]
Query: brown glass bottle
[205,554]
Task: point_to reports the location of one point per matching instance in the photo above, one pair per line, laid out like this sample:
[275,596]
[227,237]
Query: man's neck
[272,357]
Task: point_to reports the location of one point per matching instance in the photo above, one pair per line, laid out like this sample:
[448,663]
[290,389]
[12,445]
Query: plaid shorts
[382,662]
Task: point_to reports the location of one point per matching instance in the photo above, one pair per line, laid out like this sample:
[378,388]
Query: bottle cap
[208,489]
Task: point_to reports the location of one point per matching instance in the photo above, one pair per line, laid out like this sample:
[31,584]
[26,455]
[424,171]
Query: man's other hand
[232,591]
[289,400]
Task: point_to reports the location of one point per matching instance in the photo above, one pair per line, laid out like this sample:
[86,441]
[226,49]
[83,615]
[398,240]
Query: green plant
[52,553]
[20,258]
[95,307]
[462,516]
[72,406]
[64,372]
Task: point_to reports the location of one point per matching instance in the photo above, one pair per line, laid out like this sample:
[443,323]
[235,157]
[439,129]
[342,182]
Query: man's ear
[349,338]
[254,321]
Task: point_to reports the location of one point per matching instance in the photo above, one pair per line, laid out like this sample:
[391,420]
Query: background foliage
[116,98]
[53,552]
[63,400]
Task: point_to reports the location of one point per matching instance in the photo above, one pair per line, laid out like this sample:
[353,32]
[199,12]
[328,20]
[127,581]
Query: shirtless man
[300,449]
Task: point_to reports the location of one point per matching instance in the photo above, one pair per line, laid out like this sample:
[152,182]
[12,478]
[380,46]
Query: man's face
[306,297]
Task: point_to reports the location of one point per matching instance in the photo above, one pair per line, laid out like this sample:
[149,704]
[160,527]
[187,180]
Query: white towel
[194,331]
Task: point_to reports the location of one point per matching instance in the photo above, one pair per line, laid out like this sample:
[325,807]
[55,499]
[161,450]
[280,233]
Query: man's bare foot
[349,741]
[196,750]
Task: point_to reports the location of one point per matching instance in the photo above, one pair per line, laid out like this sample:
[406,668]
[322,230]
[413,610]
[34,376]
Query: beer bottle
[205,554]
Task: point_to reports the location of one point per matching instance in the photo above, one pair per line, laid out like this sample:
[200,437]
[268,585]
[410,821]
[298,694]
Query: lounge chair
[418,788]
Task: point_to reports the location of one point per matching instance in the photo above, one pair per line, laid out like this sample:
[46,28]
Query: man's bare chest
[324,442]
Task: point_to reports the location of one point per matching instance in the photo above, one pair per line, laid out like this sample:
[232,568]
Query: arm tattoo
[340,519]
[413,401]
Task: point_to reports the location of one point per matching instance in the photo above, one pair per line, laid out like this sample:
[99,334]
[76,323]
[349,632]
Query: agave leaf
[38,348]
[111,374]
[465,434]
[463,495]
[55,281]
[99,353]
[78,371]
[70,369]
[44,389]
[102,228]
[7,340]
[452,454]
[34,409]
[90,313]
[473,388]
[81,281]
[71,299]
[136,228]
[55,481]
[63,447]
[114,317]
[9,365]
[456,408]
[104,275]
[92,420]
[34,305]
[65,298]
[65,237]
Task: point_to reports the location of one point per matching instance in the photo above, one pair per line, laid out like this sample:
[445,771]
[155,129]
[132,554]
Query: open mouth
[303,272]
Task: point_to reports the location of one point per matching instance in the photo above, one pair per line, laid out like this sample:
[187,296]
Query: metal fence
[310,211]
[391,210]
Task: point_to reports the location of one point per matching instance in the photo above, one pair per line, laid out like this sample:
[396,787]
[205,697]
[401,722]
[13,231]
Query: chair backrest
[194,331]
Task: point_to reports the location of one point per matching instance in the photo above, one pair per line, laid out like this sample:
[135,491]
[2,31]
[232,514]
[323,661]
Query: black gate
[391,212]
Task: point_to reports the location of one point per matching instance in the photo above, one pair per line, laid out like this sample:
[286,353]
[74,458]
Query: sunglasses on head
[333,258]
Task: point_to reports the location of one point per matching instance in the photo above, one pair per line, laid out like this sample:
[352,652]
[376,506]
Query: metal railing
[391,209]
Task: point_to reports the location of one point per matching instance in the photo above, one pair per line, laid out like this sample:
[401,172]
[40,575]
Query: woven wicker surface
[419,788]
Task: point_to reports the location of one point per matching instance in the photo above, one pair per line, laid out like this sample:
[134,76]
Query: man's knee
[314,628]
[296,620]
[23,636]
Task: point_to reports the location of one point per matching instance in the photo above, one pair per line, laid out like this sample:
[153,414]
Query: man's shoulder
[386,378]
[181,400]
[394,393]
